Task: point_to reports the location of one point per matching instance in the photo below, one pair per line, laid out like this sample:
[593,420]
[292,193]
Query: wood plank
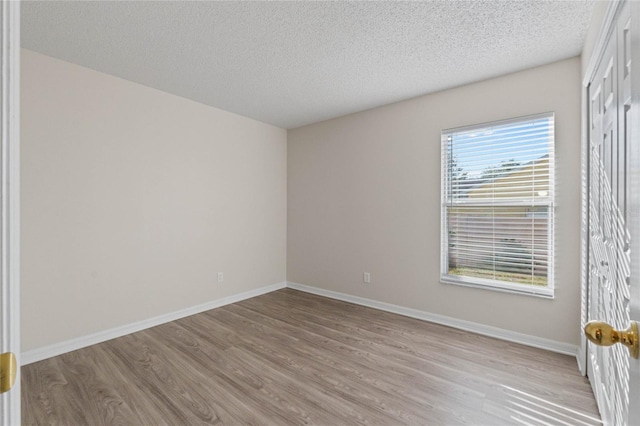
[289,358]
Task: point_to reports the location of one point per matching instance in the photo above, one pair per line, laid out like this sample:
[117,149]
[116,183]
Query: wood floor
[290,358]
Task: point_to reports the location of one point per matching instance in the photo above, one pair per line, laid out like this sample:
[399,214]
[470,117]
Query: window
[497,205]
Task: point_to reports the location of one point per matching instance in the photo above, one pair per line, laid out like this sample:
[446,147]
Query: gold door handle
[602,334]
[8,368]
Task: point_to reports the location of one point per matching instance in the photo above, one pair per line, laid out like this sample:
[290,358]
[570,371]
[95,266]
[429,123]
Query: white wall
[133,200]
[364,195]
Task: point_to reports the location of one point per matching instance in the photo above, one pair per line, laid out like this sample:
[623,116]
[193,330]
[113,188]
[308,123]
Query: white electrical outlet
[220,277]
[367,278]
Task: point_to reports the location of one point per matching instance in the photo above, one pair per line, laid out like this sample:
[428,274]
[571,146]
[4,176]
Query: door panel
[609,272]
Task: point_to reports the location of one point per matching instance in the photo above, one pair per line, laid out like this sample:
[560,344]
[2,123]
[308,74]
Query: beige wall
[364,195]
[133,200]
[597,18]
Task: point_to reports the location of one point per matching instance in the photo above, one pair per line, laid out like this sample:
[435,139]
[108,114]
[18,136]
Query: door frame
[634,228]
[10,201]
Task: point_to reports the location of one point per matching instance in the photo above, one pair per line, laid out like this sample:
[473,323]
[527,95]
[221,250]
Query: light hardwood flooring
[290,358]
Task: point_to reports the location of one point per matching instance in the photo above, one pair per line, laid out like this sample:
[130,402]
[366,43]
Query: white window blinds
[497,205]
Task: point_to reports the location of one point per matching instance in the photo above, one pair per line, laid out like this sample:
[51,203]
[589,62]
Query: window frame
[547,291]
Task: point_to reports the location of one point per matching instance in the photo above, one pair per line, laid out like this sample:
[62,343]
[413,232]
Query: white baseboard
[581,365]
[581,357]
[56,349]
[39,354]
[499,333]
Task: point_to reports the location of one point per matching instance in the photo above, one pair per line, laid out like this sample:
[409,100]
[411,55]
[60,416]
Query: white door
[614,215]
[9,210]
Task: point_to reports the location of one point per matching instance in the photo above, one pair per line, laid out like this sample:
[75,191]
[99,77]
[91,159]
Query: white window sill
[522,289]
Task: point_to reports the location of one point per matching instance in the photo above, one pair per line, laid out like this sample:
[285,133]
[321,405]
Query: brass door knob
[602,334]
[8,368]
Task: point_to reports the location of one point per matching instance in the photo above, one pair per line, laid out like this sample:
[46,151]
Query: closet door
[614,223]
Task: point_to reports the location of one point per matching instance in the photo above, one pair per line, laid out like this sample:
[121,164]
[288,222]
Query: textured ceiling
[295,63]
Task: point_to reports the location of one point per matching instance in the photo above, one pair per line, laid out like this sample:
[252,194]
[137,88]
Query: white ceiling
[295,63]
